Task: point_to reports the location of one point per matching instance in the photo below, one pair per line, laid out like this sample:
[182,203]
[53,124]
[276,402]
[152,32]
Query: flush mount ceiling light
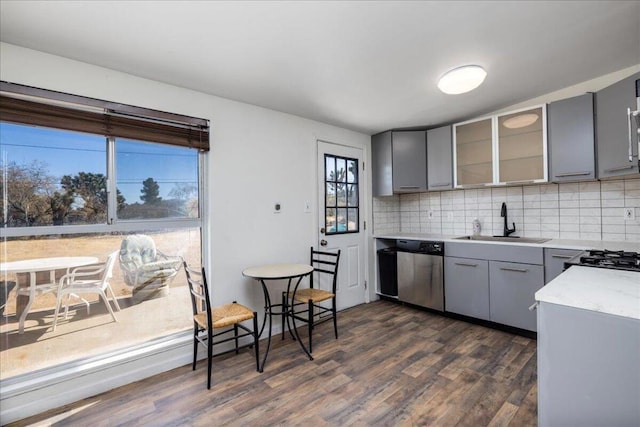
[520,121]
[462,79]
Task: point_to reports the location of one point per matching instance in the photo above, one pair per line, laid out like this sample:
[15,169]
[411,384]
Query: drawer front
[511,289]
[466,287]
[496,252]
[554,260]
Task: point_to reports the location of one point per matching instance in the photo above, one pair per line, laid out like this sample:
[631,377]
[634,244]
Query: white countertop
[552,243]
[604,290]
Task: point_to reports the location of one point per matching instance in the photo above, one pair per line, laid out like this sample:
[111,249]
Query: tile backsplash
[586,210]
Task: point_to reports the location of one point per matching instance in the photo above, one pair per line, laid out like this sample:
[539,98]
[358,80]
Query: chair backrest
[108,266]
[97,275]
[200,301]
[325,263]
[135,251]
[139,249]
[107,272]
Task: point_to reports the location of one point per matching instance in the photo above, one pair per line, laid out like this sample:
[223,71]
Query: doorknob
[322,230]
[323,242]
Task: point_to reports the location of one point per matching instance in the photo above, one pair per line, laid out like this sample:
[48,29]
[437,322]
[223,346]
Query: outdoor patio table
[272,272]
[32,266]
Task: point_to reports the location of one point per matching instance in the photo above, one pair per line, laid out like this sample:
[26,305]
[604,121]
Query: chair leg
[235,333]
[66,307]
[57,312]
[256,341]
[310,326]
[195,348]
[106,302]
[113,295]
[335,317]
[284,311]
[209,359]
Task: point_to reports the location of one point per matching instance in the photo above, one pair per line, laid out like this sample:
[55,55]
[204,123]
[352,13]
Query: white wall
[258,157]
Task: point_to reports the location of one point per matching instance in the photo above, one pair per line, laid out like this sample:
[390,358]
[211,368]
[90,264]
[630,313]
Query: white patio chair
[90,279]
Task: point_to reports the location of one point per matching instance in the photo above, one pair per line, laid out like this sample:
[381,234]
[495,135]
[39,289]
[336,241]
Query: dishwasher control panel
[421,247]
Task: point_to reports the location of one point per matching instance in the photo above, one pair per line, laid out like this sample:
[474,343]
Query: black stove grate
[623,260]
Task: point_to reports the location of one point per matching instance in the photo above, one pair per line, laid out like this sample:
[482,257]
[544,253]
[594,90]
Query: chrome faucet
[503,213]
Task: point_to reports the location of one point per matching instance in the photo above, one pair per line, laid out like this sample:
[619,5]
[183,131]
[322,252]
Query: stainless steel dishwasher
[420,273]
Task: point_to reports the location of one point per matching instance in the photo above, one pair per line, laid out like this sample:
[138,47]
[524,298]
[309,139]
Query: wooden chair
[324,263]
[206,319]
[89,279]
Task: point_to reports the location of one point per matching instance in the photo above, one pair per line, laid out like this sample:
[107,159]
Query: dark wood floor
[392,366]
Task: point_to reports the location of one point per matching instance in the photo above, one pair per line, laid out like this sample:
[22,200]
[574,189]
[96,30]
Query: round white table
[287,272]
[32,266]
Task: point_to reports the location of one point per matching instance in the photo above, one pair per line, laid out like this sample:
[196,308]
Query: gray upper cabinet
[570,127]
[382,159]
[612,128]
[399,162]
[439,162]
[409,161]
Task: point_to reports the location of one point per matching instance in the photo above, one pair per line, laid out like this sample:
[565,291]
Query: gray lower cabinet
[613,129]
[439,159]
[467,287]
[554,260]
[588,371]
[571,141]
[399,162]
[512,291]
[493,282]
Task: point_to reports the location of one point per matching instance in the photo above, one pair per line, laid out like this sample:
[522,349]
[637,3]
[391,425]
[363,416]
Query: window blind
[40,107]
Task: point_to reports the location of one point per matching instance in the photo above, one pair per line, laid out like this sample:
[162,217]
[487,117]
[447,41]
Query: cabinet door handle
[466,264]
[630,138]
[533,306]
[409,187]
[621,168]
[561,256]
[441,184]
[517,270]
[563,174]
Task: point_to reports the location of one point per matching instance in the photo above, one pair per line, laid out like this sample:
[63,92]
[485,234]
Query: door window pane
[156,180]
[341,175]
[330,168]
[352,171]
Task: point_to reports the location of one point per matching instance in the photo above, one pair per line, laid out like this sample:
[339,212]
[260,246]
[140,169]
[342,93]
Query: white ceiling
[366,66]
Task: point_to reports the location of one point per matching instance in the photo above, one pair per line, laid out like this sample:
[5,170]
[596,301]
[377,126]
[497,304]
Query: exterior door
[341,218]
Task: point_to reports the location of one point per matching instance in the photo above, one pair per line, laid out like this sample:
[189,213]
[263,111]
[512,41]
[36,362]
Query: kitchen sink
[515,239]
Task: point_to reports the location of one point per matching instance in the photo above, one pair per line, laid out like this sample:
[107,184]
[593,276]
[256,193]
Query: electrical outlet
[629,214]
[307,207]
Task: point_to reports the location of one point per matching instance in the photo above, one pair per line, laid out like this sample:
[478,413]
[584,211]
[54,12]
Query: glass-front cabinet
[474,152]
[522,146]
[501,149]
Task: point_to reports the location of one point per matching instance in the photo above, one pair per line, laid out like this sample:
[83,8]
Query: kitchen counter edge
[552,243]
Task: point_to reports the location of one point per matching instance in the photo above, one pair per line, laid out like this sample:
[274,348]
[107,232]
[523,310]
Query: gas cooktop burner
[621,260]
